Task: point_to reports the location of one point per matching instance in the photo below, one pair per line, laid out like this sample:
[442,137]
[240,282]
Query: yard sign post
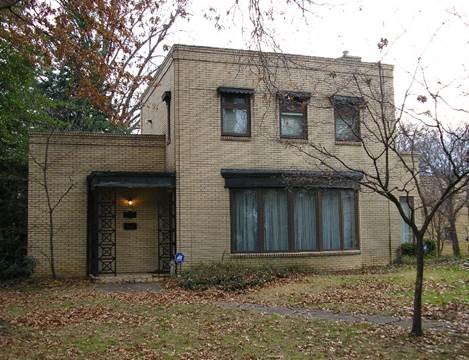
[179,259]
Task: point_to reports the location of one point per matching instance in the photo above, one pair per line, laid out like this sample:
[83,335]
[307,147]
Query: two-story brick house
[214,176]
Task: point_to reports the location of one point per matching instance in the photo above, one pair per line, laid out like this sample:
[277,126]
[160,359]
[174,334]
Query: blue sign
[179,258]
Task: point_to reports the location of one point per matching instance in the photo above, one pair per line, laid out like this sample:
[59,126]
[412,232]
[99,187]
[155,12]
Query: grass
[58,320]
[390,293]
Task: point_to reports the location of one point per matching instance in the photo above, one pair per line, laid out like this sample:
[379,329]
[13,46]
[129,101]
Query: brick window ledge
[352,143]
[235,138]
[295,254]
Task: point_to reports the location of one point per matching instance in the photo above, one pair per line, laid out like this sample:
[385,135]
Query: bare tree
[53,200]
[437,173]
[378,136]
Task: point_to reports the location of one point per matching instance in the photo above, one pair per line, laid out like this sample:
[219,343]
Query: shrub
[13,207]
[408,249]
[232,276]
[429,247]
[16,268]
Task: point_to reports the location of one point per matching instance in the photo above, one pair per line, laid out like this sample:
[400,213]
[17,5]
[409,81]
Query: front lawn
[388,292]
[57,320]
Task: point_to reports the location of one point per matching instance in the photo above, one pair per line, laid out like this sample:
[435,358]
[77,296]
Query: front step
[128,278]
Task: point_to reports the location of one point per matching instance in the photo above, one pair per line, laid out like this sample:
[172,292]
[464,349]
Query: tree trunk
[442,244]
[417,316]
[454,238]
[51,244]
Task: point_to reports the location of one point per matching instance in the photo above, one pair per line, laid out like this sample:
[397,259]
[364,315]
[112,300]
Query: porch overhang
[102,213]
[251,178]
[123,179]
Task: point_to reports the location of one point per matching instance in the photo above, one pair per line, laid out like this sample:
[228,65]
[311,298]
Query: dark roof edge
[132,174]
[227,173]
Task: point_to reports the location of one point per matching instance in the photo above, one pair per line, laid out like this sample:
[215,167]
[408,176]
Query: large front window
[280,220]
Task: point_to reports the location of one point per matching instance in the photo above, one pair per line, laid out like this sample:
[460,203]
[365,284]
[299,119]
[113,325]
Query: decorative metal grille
[106,226]
[166,231]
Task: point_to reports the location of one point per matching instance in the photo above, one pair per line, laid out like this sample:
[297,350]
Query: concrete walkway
[331,316]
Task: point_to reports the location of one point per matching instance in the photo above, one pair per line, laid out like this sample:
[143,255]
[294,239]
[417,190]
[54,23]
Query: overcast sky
[425,29]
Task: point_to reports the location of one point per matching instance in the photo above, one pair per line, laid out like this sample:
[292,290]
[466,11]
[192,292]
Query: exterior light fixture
[130,202]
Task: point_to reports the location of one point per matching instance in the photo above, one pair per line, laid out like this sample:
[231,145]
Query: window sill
[296,254]
[352,143]
[235,138]
[295,140]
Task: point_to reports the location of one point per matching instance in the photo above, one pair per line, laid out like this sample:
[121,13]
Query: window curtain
[292,124]
[406,231]
[304,214]
[245,220]
[275,220]
[330,220]
[349,216]
[235,121]
[346,123]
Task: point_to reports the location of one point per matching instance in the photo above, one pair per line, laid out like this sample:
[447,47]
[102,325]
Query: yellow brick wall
[154,113]
[137,250]
[71,158]
[203,208]
[462,226]
[197,153]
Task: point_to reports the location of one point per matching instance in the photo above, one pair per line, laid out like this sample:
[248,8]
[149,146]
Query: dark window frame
[260,241]
[352,105]
[167,99]
[247,107]
[283,100]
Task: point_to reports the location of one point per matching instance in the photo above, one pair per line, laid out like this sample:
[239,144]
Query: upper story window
[347,118]
[293,115]
[235,111]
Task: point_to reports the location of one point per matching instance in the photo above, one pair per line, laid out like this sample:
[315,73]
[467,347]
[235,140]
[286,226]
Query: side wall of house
[71,158]
[203,201]
[154,114]
[462,226]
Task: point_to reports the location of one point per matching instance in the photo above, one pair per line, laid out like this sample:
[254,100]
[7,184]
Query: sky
[434,31]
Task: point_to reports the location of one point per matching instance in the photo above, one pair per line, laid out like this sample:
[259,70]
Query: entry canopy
[123,179]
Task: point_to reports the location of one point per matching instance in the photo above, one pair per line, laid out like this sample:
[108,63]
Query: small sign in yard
[179,258]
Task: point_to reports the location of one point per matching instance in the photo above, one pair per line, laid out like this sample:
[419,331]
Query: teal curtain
[330,220]
[304,214]
[349,217]
[245,220]
[406,231]
[275,220]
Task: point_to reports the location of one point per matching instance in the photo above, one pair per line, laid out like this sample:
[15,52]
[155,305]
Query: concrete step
[128,278]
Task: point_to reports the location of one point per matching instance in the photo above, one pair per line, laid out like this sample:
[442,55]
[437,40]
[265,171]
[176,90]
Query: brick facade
[193,75]
[196,152]
[71,158]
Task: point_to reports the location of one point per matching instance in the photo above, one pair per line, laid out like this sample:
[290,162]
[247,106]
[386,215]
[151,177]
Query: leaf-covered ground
[388,292]
[57,320]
